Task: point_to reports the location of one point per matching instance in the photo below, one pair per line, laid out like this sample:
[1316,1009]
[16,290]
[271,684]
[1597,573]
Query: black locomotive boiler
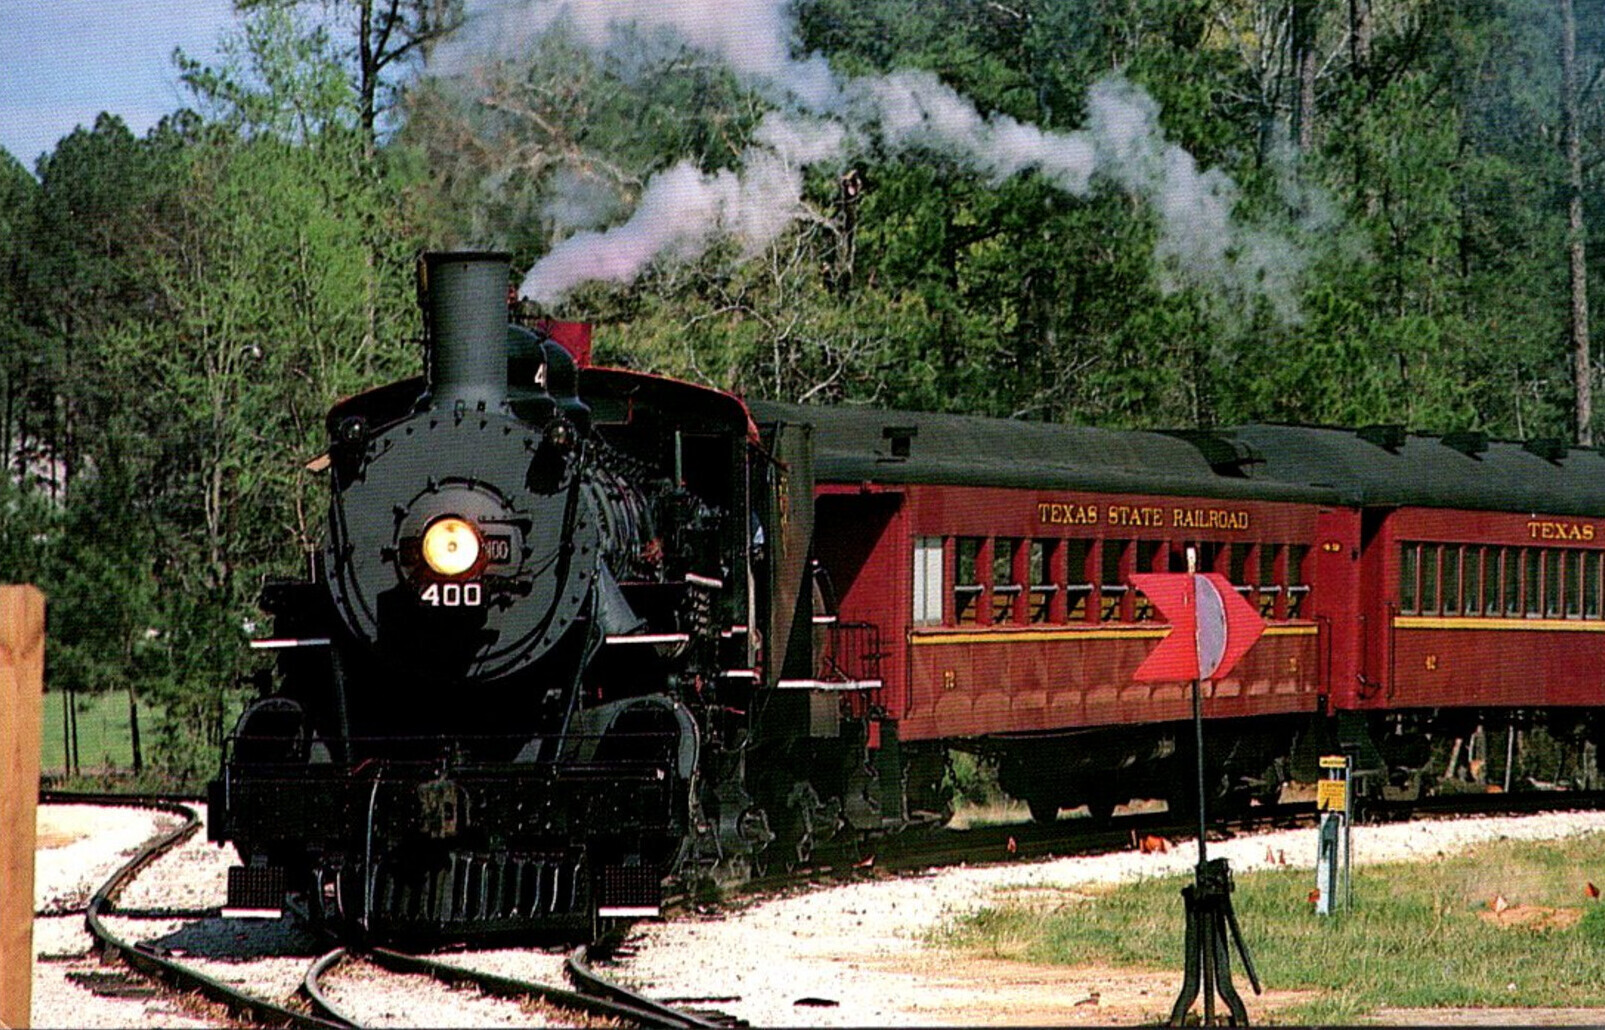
[522,683]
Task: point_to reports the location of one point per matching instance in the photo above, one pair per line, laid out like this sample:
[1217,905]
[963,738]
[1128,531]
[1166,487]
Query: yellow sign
[1331,795]
[1333,762]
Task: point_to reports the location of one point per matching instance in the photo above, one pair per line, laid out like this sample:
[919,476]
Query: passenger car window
[927,580]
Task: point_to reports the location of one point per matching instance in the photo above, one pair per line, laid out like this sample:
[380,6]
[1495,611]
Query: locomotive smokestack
[465,322]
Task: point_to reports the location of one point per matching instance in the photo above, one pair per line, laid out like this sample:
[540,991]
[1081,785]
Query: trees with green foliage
[194,302]
[267,289]
[177,312]
[18,343]
[384,40]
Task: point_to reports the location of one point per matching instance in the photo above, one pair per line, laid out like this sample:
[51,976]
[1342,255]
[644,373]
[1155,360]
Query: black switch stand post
[1209,916]
[1209,961]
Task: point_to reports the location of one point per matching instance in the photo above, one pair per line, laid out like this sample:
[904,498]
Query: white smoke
[754,38]
[911,110]
[683,211]
[803,141]
[580,200]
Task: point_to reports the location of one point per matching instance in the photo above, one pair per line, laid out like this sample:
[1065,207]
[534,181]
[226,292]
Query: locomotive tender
[577,631]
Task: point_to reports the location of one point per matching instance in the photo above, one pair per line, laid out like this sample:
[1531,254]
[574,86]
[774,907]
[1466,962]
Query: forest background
[1412,190]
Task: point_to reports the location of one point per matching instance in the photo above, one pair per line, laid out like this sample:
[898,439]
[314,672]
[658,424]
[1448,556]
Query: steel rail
[578,967]
[144,960]
[596,995]
[312,987]
[619,1005]
[606,1000]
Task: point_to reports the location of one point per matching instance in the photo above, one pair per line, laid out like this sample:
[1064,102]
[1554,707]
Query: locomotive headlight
[450,546]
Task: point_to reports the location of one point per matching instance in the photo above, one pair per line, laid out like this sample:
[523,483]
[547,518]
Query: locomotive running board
[278,643]
[842,685]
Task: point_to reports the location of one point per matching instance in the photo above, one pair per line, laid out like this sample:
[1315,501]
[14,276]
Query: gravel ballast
[849,955]
[859,947]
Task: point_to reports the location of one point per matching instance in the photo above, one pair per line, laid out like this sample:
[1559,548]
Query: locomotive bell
[465,311]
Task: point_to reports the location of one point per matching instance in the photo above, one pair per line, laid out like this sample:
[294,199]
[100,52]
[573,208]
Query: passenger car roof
[1376,466]
[857,445]
[1539,477]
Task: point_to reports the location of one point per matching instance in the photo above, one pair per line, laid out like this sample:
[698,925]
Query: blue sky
[62,62]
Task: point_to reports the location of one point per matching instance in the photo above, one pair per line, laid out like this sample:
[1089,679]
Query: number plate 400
[452,595]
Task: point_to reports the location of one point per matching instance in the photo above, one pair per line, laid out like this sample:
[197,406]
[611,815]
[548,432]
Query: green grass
[104,741]
[1414,938]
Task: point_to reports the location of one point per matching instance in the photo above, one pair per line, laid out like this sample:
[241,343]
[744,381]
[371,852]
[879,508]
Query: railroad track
[176,974]
[593,997]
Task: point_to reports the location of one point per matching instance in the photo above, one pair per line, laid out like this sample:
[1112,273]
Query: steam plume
[683,211]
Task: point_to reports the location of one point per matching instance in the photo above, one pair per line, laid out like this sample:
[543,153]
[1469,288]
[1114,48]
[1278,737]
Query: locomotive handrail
[841,686]
[854,666]
[648,638]
[279,643]
[1323,636]
[1393,652]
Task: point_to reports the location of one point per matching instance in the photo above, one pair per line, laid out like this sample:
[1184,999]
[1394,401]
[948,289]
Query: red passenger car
[977,579]
[1477,588]
[991,562]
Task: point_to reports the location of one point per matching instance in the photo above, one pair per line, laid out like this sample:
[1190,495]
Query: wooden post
[22,663]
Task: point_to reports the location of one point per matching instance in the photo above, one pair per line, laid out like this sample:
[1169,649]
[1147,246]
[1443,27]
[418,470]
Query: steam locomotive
[521,684]
[578,631]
